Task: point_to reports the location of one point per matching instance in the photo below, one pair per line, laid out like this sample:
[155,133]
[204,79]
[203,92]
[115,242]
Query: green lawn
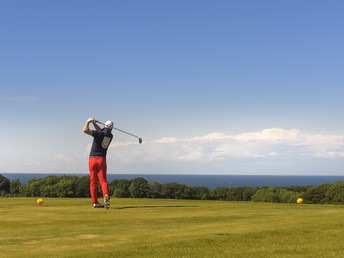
[168,228]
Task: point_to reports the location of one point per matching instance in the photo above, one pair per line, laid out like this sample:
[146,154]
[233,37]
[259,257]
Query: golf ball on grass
[39,201]
[299,201]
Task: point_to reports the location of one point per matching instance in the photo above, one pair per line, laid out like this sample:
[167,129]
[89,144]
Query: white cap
[108,124]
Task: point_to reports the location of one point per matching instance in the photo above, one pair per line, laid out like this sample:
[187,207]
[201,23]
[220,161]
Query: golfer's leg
[93,166]
[102,177]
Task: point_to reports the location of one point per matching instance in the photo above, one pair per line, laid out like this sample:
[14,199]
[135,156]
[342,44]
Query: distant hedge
[74,186]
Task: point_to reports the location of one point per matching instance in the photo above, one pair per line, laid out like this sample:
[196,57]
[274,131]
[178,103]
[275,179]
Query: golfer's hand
[90,120]
[95,121]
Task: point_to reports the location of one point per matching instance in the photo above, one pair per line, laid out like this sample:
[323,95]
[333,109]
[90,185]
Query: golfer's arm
[97,127]
[87,130]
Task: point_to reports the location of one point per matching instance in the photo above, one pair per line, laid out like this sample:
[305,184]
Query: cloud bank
[270,151]
[216,146]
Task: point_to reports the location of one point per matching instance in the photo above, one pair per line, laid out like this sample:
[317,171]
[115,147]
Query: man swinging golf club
[97,161]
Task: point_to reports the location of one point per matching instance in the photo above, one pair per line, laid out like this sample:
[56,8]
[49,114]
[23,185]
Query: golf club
[140,140]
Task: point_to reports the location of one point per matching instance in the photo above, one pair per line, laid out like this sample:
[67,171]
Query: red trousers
[97,166]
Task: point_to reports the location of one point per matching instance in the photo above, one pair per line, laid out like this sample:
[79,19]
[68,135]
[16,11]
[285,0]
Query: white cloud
[58,163]
[269,143]
[20,99]
[270,151]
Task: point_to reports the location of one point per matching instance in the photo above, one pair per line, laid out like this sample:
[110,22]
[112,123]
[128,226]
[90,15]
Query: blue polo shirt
[101,142]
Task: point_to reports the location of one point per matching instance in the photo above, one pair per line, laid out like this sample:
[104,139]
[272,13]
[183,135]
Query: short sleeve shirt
[101,142]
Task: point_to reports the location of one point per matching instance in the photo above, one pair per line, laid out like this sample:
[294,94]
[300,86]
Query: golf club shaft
[119,130]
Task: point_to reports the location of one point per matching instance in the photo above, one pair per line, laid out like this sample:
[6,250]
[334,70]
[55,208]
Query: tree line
[75,186]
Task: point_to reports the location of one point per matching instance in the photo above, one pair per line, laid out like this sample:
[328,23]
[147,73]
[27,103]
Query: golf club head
[140,140]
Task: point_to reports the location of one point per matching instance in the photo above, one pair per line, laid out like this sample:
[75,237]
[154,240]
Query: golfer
[97,161]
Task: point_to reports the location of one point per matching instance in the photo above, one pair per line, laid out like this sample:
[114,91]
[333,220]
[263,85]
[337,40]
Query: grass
[168,228]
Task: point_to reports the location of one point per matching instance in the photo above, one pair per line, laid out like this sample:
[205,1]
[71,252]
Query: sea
[209,181]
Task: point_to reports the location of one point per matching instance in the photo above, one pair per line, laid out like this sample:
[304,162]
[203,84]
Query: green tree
[271,196]
[316,194]
[248,192]
[15,187]
[138,188]
[154,188]
[201,193]
[82,187]
[66,186]
[33,188]
[168,190]
[4,185]
[259,196]
[119,188]
[335,193]
[239,194]
[185,192]
[48,187]
[219,193]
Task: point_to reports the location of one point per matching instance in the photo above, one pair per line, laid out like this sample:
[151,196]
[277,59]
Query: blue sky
[223,87]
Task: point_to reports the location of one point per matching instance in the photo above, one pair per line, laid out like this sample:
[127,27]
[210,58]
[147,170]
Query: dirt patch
[88,236]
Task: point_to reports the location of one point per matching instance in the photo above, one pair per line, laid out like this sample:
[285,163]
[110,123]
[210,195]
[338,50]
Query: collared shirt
[101,142]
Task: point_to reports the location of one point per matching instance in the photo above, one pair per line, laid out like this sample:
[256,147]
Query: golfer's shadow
[145,207]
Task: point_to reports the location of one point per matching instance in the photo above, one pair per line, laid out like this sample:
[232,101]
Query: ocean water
[209,181]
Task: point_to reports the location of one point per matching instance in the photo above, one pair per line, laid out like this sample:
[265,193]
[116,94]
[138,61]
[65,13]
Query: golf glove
[90,120]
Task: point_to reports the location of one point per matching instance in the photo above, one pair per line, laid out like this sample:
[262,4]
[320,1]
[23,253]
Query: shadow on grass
[144,207]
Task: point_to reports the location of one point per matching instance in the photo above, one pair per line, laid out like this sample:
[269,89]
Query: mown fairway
[168,228]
